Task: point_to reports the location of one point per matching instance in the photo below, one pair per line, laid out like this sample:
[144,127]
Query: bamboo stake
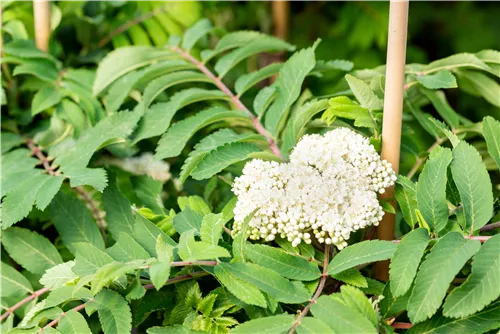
[393,110]
[41,13]
[281,10]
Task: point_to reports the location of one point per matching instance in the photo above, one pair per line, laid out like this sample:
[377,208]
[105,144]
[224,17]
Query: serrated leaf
[19,202]
[480,84]
[59,275]
[342,106]
[474,185]
[491,133]
[94,177]
[431,189]
[481,322]
[157,117]
[74,223]
[466,60]
[288,85]
[343,319]
[10,140]
[44,99]
[439,101]
[240,240]
[152,301]
[195,203]
[127,249]
[160,271]
[243,290]
[437,271]
[73,323]
[263,100]
[353,277]
[24,49]
[362,252]
[310,325]
[13,283]
[174,140]
[264,43]
[196,32]
[123,60]
[66,293]
[186,220]
[441,79]
[390,305]
[230,41]
[363,93]
[406,195]
[211,228]
[146,233]
[270,282]
[289,266]
[356,300]
[247,81]
[223,156]
[481,287]
[43,69]
[112,271]
[114,312]
[404,263]
[31,250]
[176,329]
[49,189]
[119,216]
[190,250]
[89,259]
[270,325]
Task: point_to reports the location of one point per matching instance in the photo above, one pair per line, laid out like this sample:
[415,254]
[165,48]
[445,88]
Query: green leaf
[67,293]
[195,203]
[481,322]
[31,250]
[118,211]
[243,290]
[264,43]
[127,249]
[353,277]
[49,189]
[59,275]
[360,253]
[474,185]
[439,101]
[363,93]
[43,69]
[190,250]
[466,60]
[263,100]
[123,60]
[404,263]
[157,118]
[186,220]
[174,140]
[270,282]
[240,240]
[491,131]
[223,156]
[94,177]
[289,266]
[10,140]
[211,228]
[247,81]
[344,319]
[89,259]
[481,287]
[73,323]
[114,312]
[480,84]
[288,85]
[332,65]
[356,300]
[310,325]
[74,223]
[196,32]
[13,283]
[342,106]
[146,233]
[406,195]
[111,272]
[24,49]
[176,329]
[160,271]
[231,41]
[437,271]
[45,98]
[18,203]
[441,79]
[431,189]
[269,325]
[390,305]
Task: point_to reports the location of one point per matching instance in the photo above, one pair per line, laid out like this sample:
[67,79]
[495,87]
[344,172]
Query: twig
[470,237]
[228,231]
[56,320]
[129,24]
[179,279]
[93,206]
[34,295]
[237,102]
[421,160]
[318,292]
[401,325]
[490,227]
[189,263]
[39,154]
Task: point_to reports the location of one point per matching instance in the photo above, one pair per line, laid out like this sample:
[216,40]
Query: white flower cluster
[327,190]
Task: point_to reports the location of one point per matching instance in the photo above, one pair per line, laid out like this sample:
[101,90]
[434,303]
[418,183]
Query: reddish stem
[97,213]
[237,102]
[401,325]
[318,292]
[34,295]
[179,279]
[480,238]
[56,320]
[39,154]
[490,227]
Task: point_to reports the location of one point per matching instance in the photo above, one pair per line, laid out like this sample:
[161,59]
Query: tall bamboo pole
[393,110]
[41,13]
[281,19]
